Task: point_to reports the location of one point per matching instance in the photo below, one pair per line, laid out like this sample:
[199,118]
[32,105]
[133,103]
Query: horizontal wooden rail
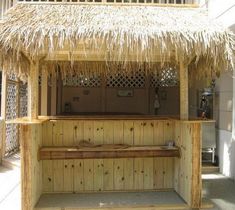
[55,153]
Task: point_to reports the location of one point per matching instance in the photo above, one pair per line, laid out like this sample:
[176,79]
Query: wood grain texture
[141,166]
[187,169]
[31,168]
[33,90]
[61,153]
[183,91]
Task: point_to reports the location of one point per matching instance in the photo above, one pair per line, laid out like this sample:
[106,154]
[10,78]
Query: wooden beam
[55,153]
[53,94]
[4,95]
[183,91]
[3,114]
[33,90]
[44,92]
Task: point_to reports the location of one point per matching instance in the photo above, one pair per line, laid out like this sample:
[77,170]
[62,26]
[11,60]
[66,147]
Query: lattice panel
[11,101]
[12,77]
[82,81]
[131,81]
[23,97]
[12,142]
[165,78]
[12,139]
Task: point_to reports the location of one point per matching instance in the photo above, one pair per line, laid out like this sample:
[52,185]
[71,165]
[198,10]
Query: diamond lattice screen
[82,81]
[126,81]
[165,78]
[12,141]
[23,97]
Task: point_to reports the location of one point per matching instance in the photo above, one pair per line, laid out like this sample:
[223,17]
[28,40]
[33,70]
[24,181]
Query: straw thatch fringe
[125,32]
[94,69]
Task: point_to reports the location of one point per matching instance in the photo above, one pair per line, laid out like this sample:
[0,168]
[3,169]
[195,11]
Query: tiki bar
[108,101]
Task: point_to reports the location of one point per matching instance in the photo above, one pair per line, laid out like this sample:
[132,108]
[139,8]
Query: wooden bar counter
[50,148]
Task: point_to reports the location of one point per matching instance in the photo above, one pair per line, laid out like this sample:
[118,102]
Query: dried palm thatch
[123,31]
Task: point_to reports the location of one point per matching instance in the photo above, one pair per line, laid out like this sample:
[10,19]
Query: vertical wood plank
[98,163]
[68,133]
[158,180]
[78,133]
[169,131]
[58,165]
[47,165]
[128,162]
[108,163]
[148,127]
[78,175]
[118,163]
[68,175]
[158,133]
[89,164]
[57,133]
[47,139]
[47,176]
[58,175]
[177,160]
[138,162]
[168,173]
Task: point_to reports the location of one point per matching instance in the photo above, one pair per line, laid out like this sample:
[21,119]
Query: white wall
[224,11]
[224,118]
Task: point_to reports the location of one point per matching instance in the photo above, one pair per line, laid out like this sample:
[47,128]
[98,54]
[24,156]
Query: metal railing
[6,4]
[176,2]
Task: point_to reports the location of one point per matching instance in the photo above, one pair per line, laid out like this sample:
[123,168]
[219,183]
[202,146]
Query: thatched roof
[124,31]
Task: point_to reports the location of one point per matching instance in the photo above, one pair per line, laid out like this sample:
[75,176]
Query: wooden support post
[44,92]
[3,114]
[103,92]
[31,167]
[33,90]
[183,91]
[59,95]
[53,94]
[196,188]
[26,168]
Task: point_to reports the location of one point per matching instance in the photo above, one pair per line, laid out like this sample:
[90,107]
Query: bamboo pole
[33,90]
[183,91]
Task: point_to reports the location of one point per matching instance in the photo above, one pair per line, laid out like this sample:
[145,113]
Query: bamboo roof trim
[175,33]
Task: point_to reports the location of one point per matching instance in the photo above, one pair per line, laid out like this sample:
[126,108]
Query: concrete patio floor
[216,188]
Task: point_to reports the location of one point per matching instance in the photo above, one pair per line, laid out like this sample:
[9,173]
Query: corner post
[3,115]
[183,91]
[33,88]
